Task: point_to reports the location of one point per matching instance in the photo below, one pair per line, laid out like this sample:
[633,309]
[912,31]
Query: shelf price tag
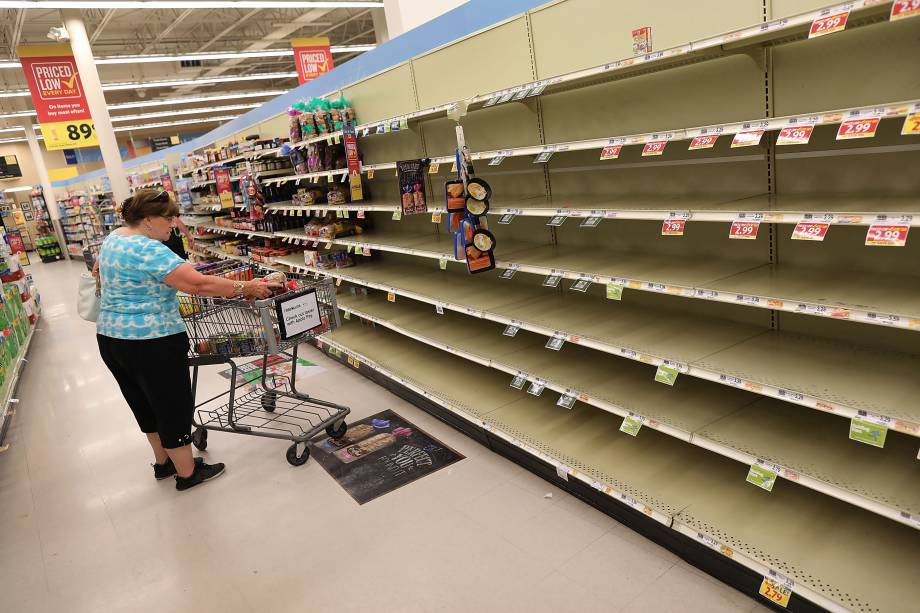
[566,401]
[703,142]
[654,147]
[745,228]
[545,155]
[632,423]
[912,121]
[439,309]
[775,592]
[858,128]
[370,173]
[826,23]
[611,152]
[366,251]
[508,273]
[557,220]
[581,285]
[500,157]
[902,9]
[397,215]
[435,218]
[666,374]
[795,135]
[748,138]
[433,168]
[673,226]
[512,329]
[442,263]
[591,222]
[555,342]
[391,297]
[614,291]
[518,381]
[810,231]
[763,475]
[552,279]
[505,97]
[506,218]
[883,234]
[869,429]
[536,387]
[492,100]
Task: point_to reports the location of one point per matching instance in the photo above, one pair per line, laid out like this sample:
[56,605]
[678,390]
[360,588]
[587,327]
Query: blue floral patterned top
[136,304]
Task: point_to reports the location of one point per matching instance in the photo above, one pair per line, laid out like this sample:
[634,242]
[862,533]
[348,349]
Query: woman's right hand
[259,289]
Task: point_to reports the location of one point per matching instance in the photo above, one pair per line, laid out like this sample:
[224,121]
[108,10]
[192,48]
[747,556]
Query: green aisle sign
[868,432]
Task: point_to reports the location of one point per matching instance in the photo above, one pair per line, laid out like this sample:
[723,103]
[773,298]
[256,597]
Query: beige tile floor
[85,528]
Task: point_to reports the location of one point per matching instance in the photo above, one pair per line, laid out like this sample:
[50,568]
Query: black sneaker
[203,472]
[168,469]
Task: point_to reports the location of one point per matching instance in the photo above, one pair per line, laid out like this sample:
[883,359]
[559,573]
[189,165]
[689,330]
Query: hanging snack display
[412,186]
[467,202]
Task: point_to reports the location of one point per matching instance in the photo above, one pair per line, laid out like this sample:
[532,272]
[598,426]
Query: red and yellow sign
[312,57]
[58,96]
[224,189]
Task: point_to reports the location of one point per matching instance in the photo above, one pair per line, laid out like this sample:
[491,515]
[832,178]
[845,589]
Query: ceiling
[119,32]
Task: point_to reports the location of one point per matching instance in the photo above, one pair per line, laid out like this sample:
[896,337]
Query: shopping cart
[222,331]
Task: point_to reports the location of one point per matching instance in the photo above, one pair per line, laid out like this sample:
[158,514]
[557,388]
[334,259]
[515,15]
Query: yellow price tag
[433,168]
[370,174]
[391,297]
[338,282]
[69,134]
[357,363]
[453,167]
[435,218]
[775,592]
[911,124]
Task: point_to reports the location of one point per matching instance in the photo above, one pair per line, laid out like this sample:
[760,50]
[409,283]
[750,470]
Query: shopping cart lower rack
[224,330]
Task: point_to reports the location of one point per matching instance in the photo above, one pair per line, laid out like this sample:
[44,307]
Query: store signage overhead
[58,96]
[312,57]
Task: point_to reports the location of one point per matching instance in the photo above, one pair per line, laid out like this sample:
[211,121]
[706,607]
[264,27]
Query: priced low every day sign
[58,96]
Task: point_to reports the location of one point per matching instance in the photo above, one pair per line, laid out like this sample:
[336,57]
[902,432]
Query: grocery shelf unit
[779,342]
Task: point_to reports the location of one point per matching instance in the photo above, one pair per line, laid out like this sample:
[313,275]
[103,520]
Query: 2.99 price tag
[902,9]
[886,235]
[828,24]
[911,122]
[858,128]
[655,147]
[703,142]
[611,152]
[795,135]
[673,227]
[744,229]
[810,231]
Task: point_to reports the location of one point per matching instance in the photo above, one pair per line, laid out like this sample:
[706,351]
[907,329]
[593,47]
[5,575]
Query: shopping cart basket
[223,330]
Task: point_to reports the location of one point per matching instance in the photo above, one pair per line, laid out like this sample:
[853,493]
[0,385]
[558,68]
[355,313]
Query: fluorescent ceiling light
[187,4]
[173,113]
[167,124]
[106,87]
[217,55]
[22,188]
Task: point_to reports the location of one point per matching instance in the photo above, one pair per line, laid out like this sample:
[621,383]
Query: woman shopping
[141,334]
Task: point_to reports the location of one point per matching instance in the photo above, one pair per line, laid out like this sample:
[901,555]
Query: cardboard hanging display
[412,186]
[353,161]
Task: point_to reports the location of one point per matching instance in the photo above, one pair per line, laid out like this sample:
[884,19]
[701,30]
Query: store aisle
[86,528]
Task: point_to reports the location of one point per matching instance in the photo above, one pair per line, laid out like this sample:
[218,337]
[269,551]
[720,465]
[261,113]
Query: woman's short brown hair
[148,203]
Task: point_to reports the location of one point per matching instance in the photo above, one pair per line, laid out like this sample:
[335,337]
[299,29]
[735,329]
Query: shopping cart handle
[207,360]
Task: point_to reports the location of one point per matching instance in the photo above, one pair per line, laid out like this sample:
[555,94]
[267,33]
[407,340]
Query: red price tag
[858,128]
[703,142]
[655,147]
[901,9]
[673,227]
[744,229]
[828,24]
[885,235]
[795,135]
[747,139]
[611,152]
[911,122]
[810,231]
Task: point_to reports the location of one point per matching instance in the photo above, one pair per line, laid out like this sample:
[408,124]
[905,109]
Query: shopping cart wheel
[200,439]
[337,430]
[268,401]
[298,460]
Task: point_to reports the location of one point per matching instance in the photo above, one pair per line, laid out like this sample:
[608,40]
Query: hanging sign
[642,40]
[58,97]
[224,189]
[901,9]
[312,57]
[354,163]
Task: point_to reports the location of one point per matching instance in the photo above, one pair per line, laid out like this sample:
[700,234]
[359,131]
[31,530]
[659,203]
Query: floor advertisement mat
[380,454]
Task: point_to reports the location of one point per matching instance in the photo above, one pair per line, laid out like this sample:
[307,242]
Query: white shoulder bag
[88,297]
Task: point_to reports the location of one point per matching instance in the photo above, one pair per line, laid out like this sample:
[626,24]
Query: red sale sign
[810,231]
[611,152]
[703,142]
[828,24]
[224,189]
[885,235]
[312,57]
[655,147]
[901,9]
[57,94]
[744,229]
[858,128]
[673,227]
[795,135]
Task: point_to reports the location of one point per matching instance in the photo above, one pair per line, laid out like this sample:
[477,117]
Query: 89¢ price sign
[69,134]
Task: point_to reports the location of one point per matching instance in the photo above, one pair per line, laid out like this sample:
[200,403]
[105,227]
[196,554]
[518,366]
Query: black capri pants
[154,379]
